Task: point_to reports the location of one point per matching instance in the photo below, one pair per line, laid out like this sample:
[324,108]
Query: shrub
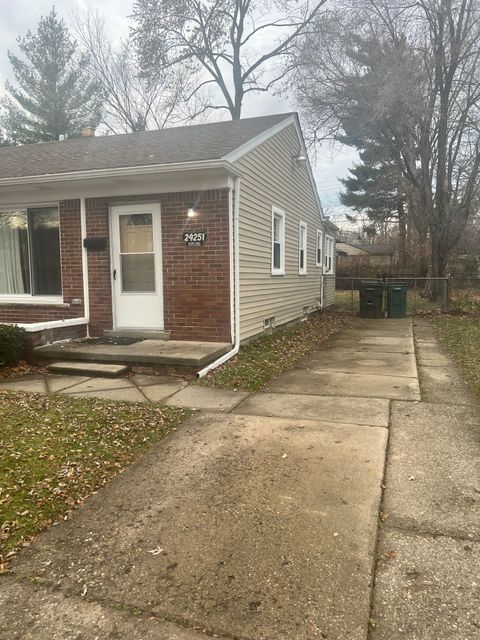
[12,344]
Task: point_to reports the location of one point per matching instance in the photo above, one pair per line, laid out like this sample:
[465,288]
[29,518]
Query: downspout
[83,231]
[322,277]
[235,299]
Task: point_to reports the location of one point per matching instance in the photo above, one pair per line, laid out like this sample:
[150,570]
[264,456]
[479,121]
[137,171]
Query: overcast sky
[17,16]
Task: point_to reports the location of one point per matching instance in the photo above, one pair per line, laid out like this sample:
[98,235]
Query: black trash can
[371,299]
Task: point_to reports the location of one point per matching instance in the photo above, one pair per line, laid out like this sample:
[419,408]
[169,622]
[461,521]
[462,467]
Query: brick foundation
[196,280]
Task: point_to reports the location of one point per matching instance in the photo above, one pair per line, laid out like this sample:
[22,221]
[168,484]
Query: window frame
[278,213]
[302,271]
[319,245]
[329,269]
[30,298]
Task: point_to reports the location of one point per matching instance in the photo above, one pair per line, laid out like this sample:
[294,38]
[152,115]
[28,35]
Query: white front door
[136,248]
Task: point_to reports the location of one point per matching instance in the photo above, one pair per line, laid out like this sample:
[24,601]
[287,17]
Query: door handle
[114,274]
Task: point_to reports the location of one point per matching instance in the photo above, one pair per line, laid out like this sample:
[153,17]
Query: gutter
[235,299]
[123,171]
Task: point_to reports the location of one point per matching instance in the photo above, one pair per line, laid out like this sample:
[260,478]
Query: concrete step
[135,333]
[93,369]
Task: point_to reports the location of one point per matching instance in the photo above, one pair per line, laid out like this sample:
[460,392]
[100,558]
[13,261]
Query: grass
[461,336]
[263,359]
[58,450]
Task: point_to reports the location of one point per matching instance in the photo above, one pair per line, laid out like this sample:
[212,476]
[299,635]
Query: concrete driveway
[255,521]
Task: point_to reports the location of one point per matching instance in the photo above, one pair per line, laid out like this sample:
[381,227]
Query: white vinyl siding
[328,290]
[278,242]
[302,249]
[269,176]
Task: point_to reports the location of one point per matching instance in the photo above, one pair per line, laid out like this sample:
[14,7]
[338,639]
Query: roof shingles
[165,146]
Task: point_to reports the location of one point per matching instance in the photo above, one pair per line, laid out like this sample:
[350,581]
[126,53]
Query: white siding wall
[329,291]
[269,178]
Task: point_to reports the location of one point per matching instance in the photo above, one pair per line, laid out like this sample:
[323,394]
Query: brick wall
[71,266]
[196,280]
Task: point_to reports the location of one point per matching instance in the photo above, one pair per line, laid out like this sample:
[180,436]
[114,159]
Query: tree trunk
[402,234]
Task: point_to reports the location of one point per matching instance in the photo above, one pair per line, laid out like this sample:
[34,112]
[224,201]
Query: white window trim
[302,225]
[319,245]
[326,270]
[22,298]
[279,213]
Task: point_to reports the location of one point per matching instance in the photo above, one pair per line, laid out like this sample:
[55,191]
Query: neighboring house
[365,259]
[210,232]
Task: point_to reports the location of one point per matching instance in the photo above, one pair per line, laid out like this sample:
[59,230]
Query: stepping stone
[29,385]
[89,369]
[197,397]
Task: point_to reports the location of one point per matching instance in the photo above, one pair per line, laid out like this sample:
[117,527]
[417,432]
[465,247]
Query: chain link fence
[425,295]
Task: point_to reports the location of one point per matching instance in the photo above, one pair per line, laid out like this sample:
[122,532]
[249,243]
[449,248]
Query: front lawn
[263,359]
[57,450]
[461,335]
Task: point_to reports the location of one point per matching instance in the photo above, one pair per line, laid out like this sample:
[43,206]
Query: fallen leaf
[155,552]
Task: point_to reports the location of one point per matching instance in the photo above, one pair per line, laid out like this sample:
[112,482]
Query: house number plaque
[194,238]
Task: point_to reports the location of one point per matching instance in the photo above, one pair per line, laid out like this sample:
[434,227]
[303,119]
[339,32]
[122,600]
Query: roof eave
[116,172]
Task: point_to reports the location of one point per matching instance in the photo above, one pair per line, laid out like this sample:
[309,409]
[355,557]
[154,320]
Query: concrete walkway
[259,519]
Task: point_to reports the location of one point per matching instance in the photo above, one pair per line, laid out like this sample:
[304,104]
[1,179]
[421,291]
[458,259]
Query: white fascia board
[238,153]
[124,171]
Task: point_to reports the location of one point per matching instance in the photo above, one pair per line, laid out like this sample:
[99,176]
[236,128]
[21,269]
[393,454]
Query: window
[278,242]
[329,245]
[269,323]
[302,249]
[30,252]
[319,249]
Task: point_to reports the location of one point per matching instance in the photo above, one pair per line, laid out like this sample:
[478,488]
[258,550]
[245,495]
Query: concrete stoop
[147,356]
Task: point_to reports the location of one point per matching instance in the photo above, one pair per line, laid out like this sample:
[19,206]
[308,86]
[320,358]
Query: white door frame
[154,209]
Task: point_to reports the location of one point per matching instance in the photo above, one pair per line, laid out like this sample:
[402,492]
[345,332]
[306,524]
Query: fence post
[446,293]
[353,306]
[414,295]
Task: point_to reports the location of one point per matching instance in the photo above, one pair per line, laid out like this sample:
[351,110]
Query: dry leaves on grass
[461,335]
[19,369]
[58,450]
[263,359]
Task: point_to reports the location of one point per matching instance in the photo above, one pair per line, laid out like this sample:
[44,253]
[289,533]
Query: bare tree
[237,46]
[131,102]
[406,74]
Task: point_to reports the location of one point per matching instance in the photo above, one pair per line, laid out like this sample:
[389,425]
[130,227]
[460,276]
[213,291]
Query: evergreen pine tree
[55,97]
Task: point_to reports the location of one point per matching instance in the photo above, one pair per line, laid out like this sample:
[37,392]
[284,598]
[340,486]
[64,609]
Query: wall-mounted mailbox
[95,244]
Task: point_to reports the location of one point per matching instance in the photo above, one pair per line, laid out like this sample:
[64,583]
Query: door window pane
[136,233]
[45,251]
[138,273]
[14,259]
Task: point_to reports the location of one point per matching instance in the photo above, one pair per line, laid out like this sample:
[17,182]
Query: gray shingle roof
[166,146]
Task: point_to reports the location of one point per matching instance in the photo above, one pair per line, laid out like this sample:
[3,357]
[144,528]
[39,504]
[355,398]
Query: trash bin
[397,299]
[371,299]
